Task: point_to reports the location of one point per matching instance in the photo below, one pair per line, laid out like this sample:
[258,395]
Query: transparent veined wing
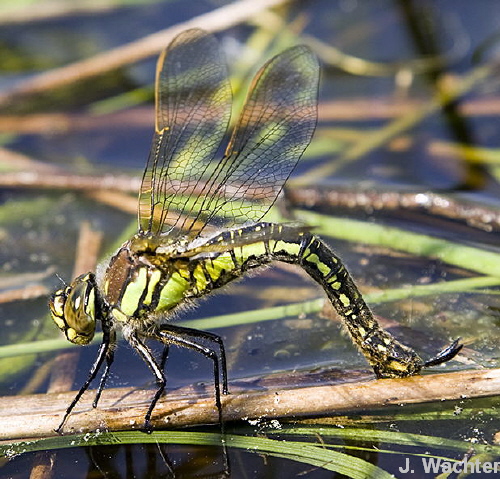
[275,127]
[193,108]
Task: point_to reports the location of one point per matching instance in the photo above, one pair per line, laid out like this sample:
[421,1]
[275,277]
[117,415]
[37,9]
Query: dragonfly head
[73,309]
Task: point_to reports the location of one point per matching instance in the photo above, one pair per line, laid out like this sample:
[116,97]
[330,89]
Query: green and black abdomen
[387,356]
[295,245]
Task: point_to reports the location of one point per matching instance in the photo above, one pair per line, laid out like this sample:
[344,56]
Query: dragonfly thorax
[148,244]
[143,243]
[73,309]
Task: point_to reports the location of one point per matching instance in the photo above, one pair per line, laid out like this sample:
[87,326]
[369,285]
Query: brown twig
[116,199]
[109,189]
[61,123]
[38,378]
[18,12]
[21,294]
[351,109]
[18,161]
[484,217]
[215,20]
[120,408]
[363,109]
[87,251]
[68,181]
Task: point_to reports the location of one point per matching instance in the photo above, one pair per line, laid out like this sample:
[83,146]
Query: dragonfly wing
[193,108]
[274,129]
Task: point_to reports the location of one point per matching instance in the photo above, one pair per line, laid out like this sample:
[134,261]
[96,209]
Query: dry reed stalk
[215,20]
[124,408]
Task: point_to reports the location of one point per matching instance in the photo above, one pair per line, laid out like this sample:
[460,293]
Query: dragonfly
[202,200]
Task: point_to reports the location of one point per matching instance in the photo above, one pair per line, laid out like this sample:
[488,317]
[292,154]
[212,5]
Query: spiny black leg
[446,354]
[206,336]
[101,355]
[164,356]
[179,337]
[148,358]
[109,361]
[186,337]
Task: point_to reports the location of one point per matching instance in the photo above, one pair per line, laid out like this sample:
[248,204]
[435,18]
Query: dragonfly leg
[207,337]
[103,353]
[189,338]
[161,381]
[110,356]
[164,356]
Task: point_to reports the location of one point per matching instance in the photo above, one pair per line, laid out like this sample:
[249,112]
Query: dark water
[411,52]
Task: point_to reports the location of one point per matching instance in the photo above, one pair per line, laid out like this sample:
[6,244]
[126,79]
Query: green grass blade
[468,257]
[305,452]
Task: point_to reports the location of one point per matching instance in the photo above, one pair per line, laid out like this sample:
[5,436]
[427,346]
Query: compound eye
[73,309]
[56,305]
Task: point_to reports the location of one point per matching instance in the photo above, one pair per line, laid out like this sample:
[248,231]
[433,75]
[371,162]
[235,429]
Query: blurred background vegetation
[401,179]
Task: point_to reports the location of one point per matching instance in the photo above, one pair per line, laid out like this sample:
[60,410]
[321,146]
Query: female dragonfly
[200,218]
